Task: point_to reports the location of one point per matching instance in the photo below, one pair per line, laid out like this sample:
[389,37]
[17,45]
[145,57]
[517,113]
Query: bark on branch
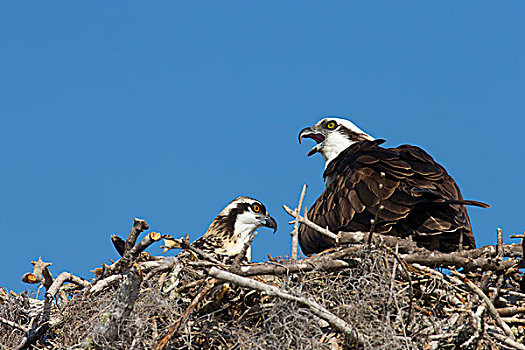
[40,274]
[52,291]
[131,255]
[139,225]
[129,290]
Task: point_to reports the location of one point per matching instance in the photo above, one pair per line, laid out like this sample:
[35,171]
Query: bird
[399,191]
[232,229]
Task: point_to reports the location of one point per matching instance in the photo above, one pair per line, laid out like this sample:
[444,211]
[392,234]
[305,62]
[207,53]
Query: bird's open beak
[268,221]
[312,133]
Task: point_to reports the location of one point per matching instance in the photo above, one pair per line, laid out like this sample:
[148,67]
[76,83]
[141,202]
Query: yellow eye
[256,208]
[331,125]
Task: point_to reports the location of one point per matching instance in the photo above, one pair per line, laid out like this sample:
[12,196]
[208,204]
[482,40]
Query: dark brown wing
[418,197]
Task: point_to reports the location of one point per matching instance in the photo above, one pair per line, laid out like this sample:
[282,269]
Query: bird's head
[333,135]
[241,217]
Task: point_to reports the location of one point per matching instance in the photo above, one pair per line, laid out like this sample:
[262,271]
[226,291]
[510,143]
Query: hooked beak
[313,134]
[268,221]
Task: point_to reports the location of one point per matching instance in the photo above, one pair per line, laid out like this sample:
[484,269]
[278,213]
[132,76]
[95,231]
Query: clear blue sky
[167,110]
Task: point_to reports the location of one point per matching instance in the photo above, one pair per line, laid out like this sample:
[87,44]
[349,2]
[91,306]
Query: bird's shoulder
[209,242]
[368,158]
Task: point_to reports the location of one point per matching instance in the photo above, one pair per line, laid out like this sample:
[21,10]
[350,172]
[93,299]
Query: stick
[468,259]
[490,307]
[511,311]
[161,344]
[131,255]
[317,309]
[139,225]
[52,291]
[324,264]
[105,283]
[505,340]
[310,224]
[500,243]
[296,224]
[14,325]
[127,295]
[40,274]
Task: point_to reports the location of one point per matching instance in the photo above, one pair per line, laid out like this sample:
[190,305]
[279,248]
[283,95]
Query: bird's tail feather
[465,202]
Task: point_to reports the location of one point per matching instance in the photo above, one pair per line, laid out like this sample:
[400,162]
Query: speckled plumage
[232,228]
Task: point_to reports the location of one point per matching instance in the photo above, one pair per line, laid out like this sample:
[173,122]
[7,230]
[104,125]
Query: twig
[295,231]
[139,225]
[52,291]
[505,340]
[104,283]
[184,243]
[323,264]
[127,295]
[499,245]
[511,311]
[131,255]
[309,223]
[161,344]
[14,325]
[490,307]
[317,309]
[40,274]
[468,259]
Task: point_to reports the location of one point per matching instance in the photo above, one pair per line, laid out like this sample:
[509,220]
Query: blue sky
[168,110]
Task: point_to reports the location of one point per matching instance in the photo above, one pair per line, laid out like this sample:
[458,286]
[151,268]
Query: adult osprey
[231,229]
[408,193]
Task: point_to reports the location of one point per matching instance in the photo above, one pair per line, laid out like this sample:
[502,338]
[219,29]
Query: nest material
[353,297]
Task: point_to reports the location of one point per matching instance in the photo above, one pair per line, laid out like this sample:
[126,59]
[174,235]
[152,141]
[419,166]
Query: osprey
[402,191]
[232,228]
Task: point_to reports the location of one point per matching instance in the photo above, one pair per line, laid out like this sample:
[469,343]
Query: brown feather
[419,198]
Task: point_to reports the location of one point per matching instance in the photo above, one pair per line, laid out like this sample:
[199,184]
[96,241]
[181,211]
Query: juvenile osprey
[232,228]
[416,195]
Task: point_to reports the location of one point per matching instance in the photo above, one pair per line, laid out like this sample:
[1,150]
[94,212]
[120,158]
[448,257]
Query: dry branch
[52,291]
[309,223]
[173,328]
[490,307]
[295,230]
[387,296]
[184,243]
[40,274]
[129,289]
[317,309]
[14,325]
[139,225]
[131,255]
[285,268]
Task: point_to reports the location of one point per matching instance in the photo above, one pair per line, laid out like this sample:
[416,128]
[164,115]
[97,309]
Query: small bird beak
[268,221]
[312,133]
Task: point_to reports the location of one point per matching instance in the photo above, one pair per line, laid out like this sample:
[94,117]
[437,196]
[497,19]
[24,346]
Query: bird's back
[417,197]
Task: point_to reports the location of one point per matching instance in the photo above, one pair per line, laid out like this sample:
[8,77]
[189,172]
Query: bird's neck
[333,146]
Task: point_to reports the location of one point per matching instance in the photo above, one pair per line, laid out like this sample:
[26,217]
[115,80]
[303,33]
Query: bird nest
[369,292]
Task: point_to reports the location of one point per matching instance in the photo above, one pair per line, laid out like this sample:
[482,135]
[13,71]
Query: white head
[238,221]
[333,135]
